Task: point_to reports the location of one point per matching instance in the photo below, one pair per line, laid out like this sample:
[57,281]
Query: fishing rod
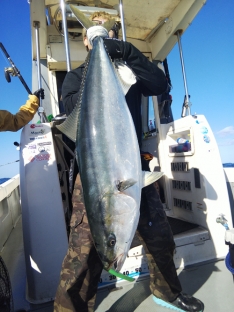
[13,71]
[9,163]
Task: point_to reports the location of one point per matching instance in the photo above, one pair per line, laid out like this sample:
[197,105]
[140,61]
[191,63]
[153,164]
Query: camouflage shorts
[82,267]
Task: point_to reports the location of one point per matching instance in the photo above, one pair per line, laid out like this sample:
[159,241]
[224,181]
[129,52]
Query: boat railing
[10,209]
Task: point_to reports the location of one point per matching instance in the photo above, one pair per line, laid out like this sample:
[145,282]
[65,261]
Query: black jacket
[150,80]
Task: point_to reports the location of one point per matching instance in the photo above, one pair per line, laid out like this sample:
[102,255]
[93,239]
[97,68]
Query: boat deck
[210,282]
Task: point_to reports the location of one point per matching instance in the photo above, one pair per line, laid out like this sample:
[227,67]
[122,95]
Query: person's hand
[95,31]
[39,93]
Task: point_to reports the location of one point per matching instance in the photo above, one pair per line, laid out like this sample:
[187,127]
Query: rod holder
[121,11]
[41,111]
[65,31]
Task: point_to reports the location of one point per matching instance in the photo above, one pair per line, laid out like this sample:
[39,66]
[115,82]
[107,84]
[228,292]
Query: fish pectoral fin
[150,177]
[123,185]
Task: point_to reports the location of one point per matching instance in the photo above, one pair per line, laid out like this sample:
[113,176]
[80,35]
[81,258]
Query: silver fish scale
[108,153]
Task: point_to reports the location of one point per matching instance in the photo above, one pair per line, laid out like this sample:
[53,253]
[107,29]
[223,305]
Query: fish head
[120,215]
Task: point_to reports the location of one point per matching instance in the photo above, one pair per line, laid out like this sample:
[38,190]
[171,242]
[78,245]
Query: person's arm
[70,89]
[152,78]
[10,122]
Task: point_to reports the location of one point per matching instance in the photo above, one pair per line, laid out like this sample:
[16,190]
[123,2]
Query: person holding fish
[11,122]
[83,263]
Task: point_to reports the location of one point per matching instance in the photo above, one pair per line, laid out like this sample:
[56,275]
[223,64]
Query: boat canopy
[150,25]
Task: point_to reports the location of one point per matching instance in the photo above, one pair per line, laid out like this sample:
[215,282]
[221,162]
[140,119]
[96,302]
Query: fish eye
[111,240]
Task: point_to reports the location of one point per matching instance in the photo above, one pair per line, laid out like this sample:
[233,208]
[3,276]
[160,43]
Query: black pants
[157,238]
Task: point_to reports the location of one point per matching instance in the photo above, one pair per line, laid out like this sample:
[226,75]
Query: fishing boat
[196,191]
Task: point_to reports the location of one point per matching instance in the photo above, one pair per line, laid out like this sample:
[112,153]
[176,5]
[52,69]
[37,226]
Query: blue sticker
[204,130]
[206,138]
[197,122]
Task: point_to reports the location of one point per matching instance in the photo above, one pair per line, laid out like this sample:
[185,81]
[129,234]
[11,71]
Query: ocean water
[228,165]
[2,180]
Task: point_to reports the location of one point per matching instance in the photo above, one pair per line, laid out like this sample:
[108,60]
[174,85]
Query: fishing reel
[10,71]
[13,71]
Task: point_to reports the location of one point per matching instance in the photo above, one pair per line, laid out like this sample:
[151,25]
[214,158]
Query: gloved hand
[114,47]
[39,93]
[96,31]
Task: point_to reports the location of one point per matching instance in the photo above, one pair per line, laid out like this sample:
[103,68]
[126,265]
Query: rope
[10,163]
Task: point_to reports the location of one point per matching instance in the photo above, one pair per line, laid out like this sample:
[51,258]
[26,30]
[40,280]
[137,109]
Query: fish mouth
[117,263]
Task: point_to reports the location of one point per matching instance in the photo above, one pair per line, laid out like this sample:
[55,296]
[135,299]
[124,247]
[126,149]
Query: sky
[208,50]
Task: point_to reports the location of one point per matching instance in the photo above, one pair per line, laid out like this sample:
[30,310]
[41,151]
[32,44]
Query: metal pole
[37,26]
[67,49]
[122,19]
[41,112]
[187,104]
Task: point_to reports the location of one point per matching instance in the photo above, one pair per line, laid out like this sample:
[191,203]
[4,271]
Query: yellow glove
[10,122]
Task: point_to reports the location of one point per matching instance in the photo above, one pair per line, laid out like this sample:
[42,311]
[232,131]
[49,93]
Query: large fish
[108,157]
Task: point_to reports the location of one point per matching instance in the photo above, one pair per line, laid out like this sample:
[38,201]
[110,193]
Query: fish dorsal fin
[70,126]
[150,177]
[123,185]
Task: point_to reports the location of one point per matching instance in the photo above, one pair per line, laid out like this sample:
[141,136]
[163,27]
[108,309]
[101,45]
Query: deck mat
[129,301]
